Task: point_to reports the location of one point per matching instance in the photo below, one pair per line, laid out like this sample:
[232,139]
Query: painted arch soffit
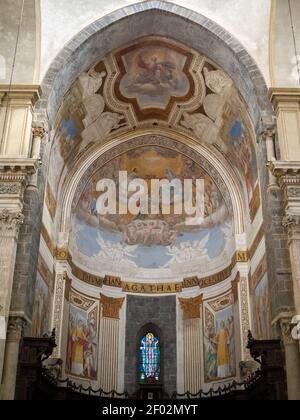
[154,83]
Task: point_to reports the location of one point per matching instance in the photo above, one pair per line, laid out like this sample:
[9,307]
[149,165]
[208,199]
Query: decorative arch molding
[164,19]
[222,174]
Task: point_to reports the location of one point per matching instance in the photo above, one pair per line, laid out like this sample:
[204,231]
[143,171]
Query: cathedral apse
[156,110]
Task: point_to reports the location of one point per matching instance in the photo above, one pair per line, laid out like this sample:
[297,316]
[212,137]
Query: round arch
[164,19]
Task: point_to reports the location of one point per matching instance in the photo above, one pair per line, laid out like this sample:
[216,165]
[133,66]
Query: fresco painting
[219,344]
[82,345]
[261,312]
[41,308]
[153,75]
[147,242]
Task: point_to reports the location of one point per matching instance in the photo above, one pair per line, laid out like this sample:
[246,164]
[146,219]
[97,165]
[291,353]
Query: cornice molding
[284,95]
[30,93]
[17,168]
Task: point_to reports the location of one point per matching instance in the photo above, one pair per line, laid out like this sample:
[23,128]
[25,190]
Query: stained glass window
[149,359]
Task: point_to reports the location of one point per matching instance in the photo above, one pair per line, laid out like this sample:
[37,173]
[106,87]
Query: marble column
[13,338]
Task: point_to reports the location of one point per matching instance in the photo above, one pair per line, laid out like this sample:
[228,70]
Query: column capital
[111,306]
[15,329]
[191,307]
[285,329]
[10,221]
[296,327]
[269,133]
[38,132]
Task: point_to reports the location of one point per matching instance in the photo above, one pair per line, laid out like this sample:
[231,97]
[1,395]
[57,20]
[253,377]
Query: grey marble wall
[160,311]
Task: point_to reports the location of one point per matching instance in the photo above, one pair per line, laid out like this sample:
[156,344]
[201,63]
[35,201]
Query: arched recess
[111,33]
[162,19]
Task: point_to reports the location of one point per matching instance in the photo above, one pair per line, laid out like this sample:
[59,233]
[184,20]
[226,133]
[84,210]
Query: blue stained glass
[149,359]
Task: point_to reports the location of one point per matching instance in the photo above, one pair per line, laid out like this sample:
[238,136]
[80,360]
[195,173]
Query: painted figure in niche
[210,348]
[223,355]
[41,309]
[261,305]
[82,345]
[219,345]
[80,341]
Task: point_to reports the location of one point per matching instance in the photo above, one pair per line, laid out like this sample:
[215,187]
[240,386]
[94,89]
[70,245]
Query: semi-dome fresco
[147,245]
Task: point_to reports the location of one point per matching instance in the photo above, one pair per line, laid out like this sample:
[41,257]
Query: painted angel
[156,72]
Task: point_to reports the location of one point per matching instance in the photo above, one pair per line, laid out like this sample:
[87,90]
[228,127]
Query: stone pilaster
[16,114]
[288,178]
[61,283]
[14,335]
[109,342]
[10,221]
[244,307]
[192,342]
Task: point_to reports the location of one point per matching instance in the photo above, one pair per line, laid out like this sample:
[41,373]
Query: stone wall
[160,311]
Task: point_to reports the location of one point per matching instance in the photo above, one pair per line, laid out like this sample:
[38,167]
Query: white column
[268,136]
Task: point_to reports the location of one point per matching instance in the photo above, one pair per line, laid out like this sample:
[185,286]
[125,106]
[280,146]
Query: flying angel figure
[187,252]
[156,72]
[116,252]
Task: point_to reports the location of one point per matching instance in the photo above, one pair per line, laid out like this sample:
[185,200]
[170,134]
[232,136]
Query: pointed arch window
[149,359]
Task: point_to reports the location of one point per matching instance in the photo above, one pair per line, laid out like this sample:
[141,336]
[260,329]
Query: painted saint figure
[223,353]
[80,340]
